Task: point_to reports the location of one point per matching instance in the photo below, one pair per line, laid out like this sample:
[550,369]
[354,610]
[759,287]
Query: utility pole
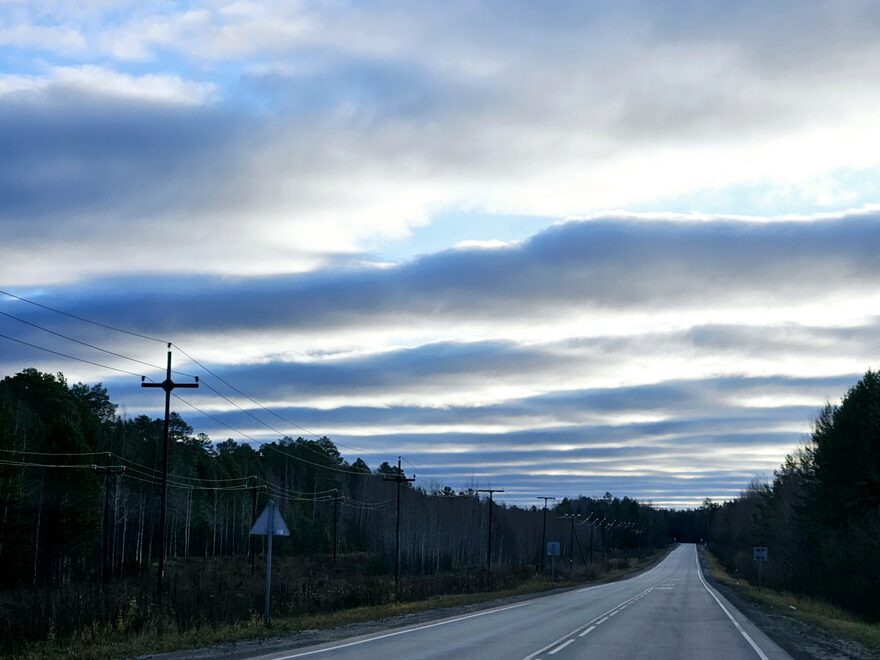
[105,531]
[571,517]
[544,531]
[491,492]
[167,385]
[336,501]
[399,478]
[253,540]
[591,543]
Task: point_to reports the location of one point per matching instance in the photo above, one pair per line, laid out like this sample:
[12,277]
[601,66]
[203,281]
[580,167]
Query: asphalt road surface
[667,612]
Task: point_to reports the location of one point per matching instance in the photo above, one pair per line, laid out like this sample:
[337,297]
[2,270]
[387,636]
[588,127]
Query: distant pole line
[167,385]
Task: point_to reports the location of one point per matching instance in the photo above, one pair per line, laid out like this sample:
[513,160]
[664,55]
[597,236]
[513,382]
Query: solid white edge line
[742,632]
[402,632]
[559,648]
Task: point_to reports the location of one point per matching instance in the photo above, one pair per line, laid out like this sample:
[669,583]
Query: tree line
[820,515]
[67,458]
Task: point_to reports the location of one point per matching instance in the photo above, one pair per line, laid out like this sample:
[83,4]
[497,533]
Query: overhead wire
[86,466]
[257,403]
[183,486]
[84,343]
[82,318]
[267,445]
[72,357]
[260,421]
[53,453]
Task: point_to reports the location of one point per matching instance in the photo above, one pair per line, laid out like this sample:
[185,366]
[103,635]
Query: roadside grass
[818,613]
[103,641]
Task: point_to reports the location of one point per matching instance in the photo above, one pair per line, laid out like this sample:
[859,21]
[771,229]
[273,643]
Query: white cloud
[61,39]
[104,83]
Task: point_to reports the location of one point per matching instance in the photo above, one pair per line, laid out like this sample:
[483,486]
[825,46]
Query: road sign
[554,548]
[759,554]
[269,524]
[279,527]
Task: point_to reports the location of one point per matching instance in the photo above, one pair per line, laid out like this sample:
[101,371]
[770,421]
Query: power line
[184,486]
[267,445]
[72,357]
[83,319]
[52,453]
[260,421]
[143,336]
[257,403]
[84,466]
[82,343]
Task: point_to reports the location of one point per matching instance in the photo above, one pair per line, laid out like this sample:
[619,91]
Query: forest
[820,515]
[80,489]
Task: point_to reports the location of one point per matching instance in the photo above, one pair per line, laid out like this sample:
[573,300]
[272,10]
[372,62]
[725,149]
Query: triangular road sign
[261,527]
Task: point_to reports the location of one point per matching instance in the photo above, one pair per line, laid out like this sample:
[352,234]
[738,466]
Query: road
[667,612]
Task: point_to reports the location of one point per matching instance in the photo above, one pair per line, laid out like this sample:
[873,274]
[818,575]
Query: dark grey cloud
[71,158]
[601,266]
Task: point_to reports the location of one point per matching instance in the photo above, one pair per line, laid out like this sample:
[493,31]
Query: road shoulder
[236,650]
[801,640]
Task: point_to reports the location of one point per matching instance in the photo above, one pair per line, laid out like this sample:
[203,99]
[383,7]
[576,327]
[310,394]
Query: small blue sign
[554,548]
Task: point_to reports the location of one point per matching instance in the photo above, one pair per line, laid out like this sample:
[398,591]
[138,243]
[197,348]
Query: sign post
[554,549]
[269,524]
[760,555]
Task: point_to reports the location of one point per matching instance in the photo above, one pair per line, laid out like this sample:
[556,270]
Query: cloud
[60,39]
[640,272]
[317,111]
[230,176]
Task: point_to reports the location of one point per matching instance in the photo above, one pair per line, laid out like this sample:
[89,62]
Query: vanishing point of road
[668,612]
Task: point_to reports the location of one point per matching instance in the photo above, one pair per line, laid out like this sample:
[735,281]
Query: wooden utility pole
[544,532]
[591,543]
[336,500]
[167,385]
[571,517]
[252,540]
[399,478]
[491,492]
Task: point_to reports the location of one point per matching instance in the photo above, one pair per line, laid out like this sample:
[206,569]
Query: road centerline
[402,632]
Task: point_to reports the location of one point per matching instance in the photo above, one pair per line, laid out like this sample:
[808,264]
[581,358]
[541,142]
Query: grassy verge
[111,642]
[818,613]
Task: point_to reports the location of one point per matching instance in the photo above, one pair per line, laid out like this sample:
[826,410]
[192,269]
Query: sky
[555,248]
